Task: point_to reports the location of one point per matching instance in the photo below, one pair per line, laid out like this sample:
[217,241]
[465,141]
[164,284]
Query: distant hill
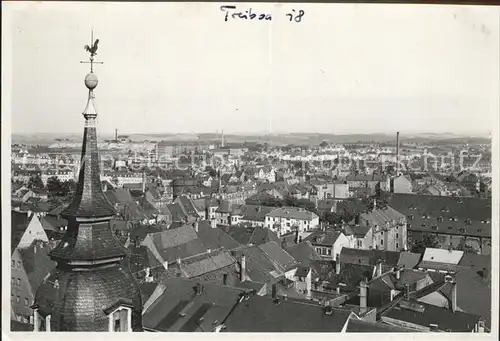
[272,139]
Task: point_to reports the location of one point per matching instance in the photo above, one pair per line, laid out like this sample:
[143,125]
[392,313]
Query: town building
[286,219]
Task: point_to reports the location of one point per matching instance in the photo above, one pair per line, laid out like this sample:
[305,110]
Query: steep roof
[445,214]
[381,216]
[327,238]
[215,238]
[255,212]
[179,309]
[37,263]
[292,213]
[278,255]
[369,257]
[303,252]
[19,224]
[428,314]
[263,314]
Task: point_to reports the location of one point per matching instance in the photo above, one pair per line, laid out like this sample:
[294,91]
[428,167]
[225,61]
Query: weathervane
[92,49]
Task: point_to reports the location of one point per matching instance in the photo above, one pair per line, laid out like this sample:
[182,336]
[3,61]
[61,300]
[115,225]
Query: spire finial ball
[91,81]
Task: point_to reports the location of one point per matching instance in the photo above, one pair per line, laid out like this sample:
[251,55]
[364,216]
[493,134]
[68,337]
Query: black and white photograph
[250,168]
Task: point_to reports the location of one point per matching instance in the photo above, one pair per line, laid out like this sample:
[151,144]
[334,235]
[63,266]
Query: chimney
[398,273]
[407,291]
[356,219]
[374,204]
[337,264]
[195,226]
[116,135]
[379,268]
[338,290]
[224,279]
[397,153]
[198,289]
[297,236]
[274,291]
[363,308]
[454,296]
[243,268]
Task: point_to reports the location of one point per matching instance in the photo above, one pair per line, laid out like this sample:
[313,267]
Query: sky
[180,68]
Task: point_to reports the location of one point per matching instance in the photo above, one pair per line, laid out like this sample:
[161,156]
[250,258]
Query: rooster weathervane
[92,49]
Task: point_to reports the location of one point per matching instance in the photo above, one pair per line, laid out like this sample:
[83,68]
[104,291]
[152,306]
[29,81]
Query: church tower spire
[92,288]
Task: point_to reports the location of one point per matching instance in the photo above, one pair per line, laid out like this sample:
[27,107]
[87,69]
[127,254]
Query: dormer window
[120,316]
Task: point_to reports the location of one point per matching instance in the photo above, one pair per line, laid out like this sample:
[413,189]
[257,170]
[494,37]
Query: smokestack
[274,291]
[397,153]
[363,307]
[454,296]
[337,264]
[243,268]
[224,279]
[144,182]
[116,135]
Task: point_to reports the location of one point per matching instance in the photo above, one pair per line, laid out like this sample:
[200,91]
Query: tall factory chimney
[116,135]
[397,153]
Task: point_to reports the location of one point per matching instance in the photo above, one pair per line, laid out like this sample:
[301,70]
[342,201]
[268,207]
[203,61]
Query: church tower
[92,287]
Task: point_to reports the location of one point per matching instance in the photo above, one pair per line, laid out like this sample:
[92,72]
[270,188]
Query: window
[382,242]
[117,326]
[18,299]
[13,263]
[18,282]
[329,252]
[13,281]
[26,302]
[360,243]
[397,245]
[397,235]
[409,233]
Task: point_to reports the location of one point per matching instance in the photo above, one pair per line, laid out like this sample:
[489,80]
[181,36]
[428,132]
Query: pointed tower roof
[89,200]
[93,276]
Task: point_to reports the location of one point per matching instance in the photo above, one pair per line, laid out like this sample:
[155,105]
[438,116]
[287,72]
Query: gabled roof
[446,319]
[278,255]
[179,309]
[178,214]
[255,212]
[447,215]
[37,263]
[19,224]
[327,238]
[188,206]
[263,314]
[215,238]
[303,252]
[205,263]
[381,216]
[369,257]
[292,213]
